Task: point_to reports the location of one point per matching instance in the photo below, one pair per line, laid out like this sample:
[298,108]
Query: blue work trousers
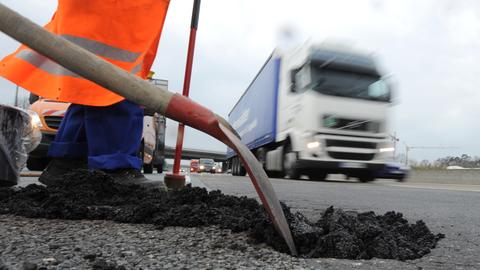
[108,136]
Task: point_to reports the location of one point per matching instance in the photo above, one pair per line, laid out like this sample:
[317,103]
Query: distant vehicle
[314,111]
[455,167]
[218,167]
[206,165]
[394,170]
[194,165]
[51,113]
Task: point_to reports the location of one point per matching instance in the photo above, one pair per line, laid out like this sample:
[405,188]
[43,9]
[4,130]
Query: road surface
[446,208]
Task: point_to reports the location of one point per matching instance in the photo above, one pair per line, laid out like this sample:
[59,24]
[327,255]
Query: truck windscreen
[206,161]
[349,84]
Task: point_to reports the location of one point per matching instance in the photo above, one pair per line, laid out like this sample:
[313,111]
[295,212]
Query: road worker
[100,130]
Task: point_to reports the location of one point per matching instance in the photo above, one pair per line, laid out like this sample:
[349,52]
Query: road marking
[452,187]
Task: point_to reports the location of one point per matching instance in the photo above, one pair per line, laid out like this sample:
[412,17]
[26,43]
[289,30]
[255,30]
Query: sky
[428,47]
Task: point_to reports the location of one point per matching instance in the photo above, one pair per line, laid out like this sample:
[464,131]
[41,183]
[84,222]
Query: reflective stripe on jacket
[123,32]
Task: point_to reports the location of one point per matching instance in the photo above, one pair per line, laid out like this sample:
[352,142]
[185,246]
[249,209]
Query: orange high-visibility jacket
[123,32]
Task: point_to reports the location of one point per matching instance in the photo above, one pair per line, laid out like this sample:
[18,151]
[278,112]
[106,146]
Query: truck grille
[53,121]
[351,156]
[353,144]
[330,121]
[350,144]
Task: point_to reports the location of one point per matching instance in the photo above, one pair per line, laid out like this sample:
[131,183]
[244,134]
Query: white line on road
[472,188]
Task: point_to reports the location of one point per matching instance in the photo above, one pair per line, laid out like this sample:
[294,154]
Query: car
[394,170]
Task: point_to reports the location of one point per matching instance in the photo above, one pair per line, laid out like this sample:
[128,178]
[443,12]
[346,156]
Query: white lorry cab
[315,111]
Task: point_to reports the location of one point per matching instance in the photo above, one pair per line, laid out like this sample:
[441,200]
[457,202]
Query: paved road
[446,208]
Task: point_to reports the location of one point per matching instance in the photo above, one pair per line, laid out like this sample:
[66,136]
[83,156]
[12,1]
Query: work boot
[132,176]
[58,167]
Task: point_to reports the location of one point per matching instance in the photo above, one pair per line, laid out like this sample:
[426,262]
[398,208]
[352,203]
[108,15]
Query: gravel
[81,244]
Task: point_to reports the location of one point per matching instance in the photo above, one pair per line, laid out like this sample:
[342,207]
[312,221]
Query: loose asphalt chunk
[337,234]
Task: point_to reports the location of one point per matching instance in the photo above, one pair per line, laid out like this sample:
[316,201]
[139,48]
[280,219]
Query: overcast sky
[431,48]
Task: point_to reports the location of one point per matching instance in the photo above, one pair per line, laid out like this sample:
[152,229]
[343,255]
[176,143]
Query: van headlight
[35,119]
[202,167]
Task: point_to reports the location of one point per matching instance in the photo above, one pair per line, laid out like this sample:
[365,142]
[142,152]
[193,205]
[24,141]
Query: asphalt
[445,208]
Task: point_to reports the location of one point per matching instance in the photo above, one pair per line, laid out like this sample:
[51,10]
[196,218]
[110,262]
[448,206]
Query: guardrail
[463,176]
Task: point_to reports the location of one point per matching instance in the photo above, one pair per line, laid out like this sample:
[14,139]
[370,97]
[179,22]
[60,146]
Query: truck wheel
[37,164]
[289,159]
[241,170]
[261,155]
[147,168]
[366,177]
[275,174]
[159,167]
[317,176]
[234,166]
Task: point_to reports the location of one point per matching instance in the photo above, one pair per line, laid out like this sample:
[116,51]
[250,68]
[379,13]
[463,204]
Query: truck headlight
[386,149]
[312,145]
[202,167]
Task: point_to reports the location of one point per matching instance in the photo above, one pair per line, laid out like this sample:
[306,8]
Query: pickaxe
[174,106]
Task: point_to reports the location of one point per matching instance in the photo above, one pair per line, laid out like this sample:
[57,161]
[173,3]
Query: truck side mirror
[293,74]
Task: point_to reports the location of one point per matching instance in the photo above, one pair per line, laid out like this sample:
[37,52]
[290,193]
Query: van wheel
[289,160]
[37,164]
[147,168]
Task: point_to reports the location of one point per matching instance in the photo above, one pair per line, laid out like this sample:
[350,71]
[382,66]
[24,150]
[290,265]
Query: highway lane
[446,208]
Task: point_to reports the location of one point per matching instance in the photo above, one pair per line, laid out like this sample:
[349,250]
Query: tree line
[464,161]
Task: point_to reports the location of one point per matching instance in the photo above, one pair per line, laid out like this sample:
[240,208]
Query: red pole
[186,82]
